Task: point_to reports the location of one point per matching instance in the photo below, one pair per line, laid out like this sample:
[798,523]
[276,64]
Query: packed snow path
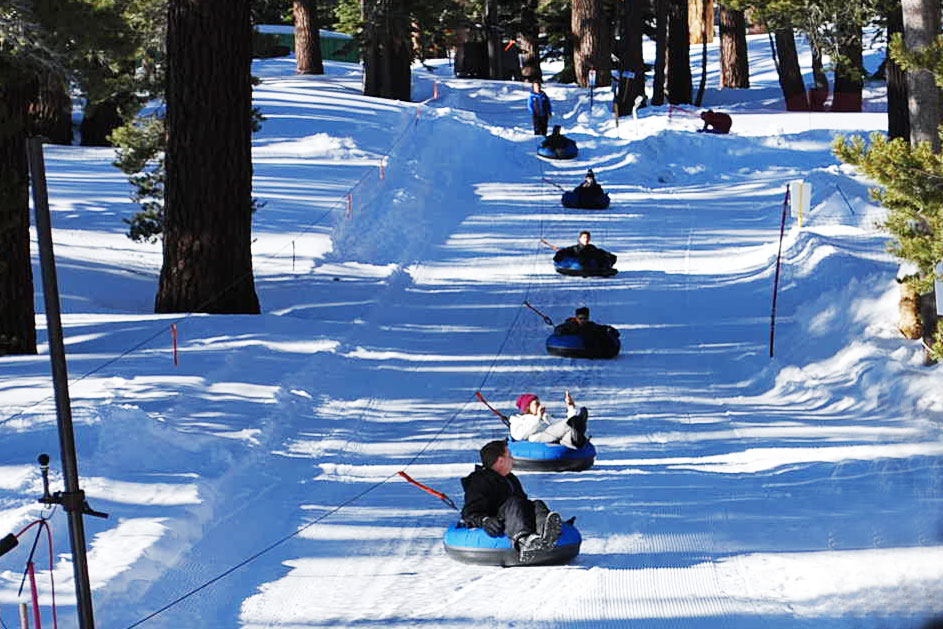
[731,490]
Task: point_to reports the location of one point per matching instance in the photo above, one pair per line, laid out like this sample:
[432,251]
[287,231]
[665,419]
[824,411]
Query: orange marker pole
[174,337]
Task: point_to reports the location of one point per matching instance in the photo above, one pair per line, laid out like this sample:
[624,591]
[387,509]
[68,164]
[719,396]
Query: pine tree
[911,188]
[33,49]
[307,37]
[208,196]
[921,21]
[910,179]
[678,70]
[591,49]
[735,65]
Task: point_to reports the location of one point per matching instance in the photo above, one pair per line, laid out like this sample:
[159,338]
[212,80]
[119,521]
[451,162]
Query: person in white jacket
[534,423]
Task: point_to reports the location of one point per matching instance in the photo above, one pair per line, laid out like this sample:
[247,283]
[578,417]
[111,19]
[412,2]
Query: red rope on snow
[503,417]
[438,494]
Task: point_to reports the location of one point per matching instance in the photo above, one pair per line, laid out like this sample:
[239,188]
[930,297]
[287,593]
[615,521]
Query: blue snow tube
[472,545]
[573,346]
[567,151]
[551,457]
[573,266]
[572,200]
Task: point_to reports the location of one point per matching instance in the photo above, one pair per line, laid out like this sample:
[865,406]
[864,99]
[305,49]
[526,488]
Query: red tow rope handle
[438,494]
[503,417]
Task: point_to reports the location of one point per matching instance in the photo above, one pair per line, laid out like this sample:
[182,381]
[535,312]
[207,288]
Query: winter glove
[493,526]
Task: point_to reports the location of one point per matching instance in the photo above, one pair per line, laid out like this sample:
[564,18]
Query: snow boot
[551,530]
[530,546]
[577,425]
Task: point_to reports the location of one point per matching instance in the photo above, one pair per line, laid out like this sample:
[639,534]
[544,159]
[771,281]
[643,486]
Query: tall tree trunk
[819,92]
[631,61]
[208,191]
[371,48]
[388,53]
[307,37]
[679,53]
[921,26]
[898,116]
[401,57]
[528,42]
[706,24]
[661,56]
[17,316]
[661,51]
[50,111]
[98,121]
[735,65]
[790,76]
[849,70]
[591,42]
[701,21]
[495,49]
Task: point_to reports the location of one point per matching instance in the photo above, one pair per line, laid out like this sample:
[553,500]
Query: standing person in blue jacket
[539,106]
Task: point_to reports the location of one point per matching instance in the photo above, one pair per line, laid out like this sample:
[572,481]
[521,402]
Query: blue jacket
[538,104]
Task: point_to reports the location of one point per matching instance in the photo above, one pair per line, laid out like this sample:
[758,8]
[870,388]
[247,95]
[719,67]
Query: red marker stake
[173,336]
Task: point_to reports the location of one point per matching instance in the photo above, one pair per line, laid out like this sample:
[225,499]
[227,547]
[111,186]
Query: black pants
[540,124]
[523,517]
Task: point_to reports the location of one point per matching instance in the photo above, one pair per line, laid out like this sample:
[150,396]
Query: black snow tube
[567,151]
[574,346]
[572,266]
[572,200]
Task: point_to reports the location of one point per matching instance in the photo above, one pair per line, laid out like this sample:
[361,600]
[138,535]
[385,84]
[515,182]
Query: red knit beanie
[523,402]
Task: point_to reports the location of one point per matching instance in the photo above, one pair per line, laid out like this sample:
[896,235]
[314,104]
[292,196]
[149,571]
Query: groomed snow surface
[730,490]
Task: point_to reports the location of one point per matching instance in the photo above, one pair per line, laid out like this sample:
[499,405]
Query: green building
[334,46]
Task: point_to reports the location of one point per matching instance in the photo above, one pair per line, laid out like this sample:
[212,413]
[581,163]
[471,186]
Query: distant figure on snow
[589,191]
[535,424]
[589,256]
[496,502]
[556,140]
[538,104]
[600,340]
[589,195]
[715,122]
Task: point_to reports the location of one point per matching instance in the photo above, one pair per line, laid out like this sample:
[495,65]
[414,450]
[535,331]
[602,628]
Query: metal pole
[73,500]
[772,315]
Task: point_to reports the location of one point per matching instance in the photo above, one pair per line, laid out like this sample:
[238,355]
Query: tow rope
[553,183]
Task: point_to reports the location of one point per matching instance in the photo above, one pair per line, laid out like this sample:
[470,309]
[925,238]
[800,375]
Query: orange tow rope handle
[438,494]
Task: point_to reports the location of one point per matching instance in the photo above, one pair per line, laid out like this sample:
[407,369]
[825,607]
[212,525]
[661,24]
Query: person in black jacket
[556,140]
[589,190]
[602,341]
[496,502]
[590,256]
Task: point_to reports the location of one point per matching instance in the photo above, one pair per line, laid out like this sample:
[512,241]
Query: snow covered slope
[730,490]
